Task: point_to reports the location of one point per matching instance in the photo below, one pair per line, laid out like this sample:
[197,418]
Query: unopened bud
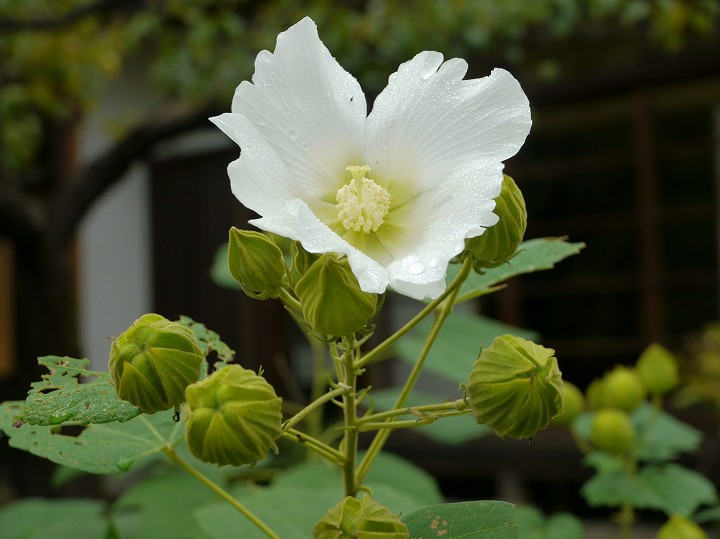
[498,243]
[331,299]
[573,404]
[515,387]
[680,527]
[658,370]
[232,417]
[612,431]
[256,263]
[153,361]
[622,388]
[360,519]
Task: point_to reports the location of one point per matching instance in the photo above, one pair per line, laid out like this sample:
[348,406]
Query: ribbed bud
[232,417]
[360,519]
[498,243]
[515,387]
[658,370]
[680,527]
[256,263]
[331,299]
[573,404]
[612,431]
[153,361]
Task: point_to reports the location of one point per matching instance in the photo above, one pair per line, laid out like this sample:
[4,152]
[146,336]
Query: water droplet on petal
[416,268]
[292,134]
[262,123]
[434,263]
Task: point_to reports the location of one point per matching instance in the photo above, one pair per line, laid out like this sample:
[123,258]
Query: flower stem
[418,411]
[330,453]
[445,308]
[409,423]
[310,408]
[217,489]
[350,440]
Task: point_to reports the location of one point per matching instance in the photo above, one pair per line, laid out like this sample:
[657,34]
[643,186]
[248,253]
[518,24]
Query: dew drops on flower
[397,190]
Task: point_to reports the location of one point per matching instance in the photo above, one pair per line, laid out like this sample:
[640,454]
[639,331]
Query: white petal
[307,106]
[452,212]
[428,121]
[258,178]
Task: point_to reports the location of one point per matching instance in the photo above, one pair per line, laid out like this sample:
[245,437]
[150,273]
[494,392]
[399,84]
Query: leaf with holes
[469,520]
[208,340]
[103,449]
[59,396]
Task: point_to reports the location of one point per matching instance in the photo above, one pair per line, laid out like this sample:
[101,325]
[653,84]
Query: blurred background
[114,196]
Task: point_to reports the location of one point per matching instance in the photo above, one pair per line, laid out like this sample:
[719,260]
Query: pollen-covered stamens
[362,203]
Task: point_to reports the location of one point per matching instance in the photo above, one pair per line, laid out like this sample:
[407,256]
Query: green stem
[317,403]
[330,453]
[319,385]
[413,410]
[445,308]
[217,489]
[350,440]
[409,423]
[430,307]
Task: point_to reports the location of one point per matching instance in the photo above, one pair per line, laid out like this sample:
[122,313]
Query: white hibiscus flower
[396,191]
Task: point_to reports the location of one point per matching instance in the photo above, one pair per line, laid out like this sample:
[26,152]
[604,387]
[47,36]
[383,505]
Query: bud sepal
[360,519]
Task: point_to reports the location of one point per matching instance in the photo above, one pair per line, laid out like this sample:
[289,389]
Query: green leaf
[453,430]
[670,488]
[533,525]
[35,518]
[661,436]
[290,511]
[394,482]
[103,449]
[60,397]
[531,255]
[453,353]
[469,520]
[208,340]
[165,504]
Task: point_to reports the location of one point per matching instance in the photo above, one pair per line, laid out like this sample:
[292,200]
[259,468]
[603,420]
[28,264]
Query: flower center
[362,203]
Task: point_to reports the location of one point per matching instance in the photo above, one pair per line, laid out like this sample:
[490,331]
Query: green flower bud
[360,519]
[301,261]
[331,299]
[573,404]
[153,362]
[680,527]
[515,387]
[256,263]
[658,370]
[612,431]
[498,243]
[594,393]
[232,417]
[622,388]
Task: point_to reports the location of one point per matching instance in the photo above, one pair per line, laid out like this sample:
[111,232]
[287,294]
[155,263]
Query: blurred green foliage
[55,54]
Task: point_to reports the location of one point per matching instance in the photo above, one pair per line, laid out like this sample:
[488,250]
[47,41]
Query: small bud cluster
[320,291]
